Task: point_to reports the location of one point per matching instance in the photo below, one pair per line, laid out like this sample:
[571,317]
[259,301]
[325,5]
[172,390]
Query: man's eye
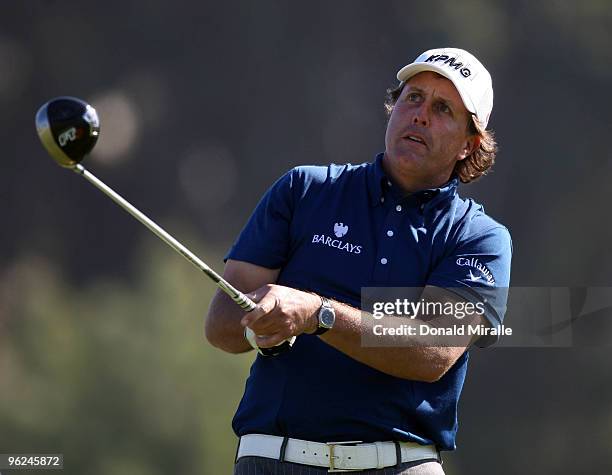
[443,108]
[413,97]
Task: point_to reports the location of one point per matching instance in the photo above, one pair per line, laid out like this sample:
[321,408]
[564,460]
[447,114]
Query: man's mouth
[415,138]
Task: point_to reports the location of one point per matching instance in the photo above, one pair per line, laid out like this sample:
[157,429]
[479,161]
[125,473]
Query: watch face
[327,317]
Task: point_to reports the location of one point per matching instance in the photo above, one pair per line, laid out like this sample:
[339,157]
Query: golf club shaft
[242,300]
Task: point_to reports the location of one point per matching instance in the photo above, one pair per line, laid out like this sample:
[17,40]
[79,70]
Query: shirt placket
[388,242]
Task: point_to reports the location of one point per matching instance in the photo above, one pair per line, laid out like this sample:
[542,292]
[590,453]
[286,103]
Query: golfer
[321,234]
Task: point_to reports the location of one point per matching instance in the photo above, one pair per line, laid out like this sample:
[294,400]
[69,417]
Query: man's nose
[421,116]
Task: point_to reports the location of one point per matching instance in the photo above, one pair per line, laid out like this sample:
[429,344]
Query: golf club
[69,129]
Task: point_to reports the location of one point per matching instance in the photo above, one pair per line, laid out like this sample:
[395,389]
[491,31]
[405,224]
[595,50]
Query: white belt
[337,456]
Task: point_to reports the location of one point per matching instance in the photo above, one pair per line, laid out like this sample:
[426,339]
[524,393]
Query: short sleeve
[265,239]
[479,271]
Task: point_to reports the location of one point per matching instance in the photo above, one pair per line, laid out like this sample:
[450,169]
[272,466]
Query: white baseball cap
[470,77]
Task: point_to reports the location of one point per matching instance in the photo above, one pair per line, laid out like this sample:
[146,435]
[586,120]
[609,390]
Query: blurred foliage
[117,376]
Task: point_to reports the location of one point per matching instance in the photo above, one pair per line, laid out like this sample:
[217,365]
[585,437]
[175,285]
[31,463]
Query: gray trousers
[266,466]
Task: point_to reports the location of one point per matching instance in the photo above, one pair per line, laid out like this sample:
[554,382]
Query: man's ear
[472,142]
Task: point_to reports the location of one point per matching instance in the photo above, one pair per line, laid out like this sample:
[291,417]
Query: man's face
[427,132]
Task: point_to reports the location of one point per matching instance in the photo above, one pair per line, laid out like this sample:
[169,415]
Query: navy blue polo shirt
[333,230]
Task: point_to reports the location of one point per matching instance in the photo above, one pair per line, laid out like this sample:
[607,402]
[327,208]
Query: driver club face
[68,128]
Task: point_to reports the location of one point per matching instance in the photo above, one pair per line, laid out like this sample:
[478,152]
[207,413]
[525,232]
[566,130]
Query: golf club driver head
[68,128]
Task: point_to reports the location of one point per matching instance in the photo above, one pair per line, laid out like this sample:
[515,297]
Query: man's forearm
[222,326]
[407,358]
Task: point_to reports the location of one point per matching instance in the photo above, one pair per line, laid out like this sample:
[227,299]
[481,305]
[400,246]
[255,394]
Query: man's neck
[410,183]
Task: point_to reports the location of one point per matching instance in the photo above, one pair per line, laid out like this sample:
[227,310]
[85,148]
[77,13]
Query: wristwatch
[327,317]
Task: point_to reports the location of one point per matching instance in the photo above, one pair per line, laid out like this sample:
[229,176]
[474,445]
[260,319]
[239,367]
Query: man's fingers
[267,305]
[268,341]
[253,316]
[266,325]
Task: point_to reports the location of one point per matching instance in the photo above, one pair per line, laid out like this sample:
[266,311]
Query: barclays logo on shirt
[340,230]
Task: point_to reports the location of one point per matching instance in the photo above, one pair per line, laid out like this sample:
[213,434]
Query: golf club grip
[242,300]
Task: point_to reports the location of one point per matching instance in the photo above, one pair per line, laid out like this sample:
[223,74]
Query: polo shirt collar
[379,185]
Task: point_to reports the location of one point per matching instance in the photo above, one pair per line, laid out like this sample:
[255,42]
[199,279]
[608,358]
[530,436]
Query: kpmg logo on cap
[451,62]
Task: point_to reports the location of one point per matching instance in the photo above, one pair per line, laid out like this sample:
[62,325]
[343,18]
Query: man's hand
[282,312]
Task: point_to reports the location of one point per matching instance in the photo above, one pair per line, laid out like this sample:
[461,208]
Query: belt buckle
[332,456]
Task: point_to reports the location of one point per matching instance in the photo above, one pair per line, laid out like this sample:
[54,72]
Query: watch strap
[325,303]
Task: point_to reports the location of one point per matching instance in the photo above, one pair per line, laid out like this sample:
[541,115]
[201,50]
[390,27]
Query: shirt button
[398,207]
[390,233]
[383,260]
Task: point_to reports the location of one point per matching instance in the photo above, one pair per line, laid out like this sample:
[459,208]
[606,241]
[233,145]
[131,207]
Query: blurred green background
[203,105]
[115,375]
